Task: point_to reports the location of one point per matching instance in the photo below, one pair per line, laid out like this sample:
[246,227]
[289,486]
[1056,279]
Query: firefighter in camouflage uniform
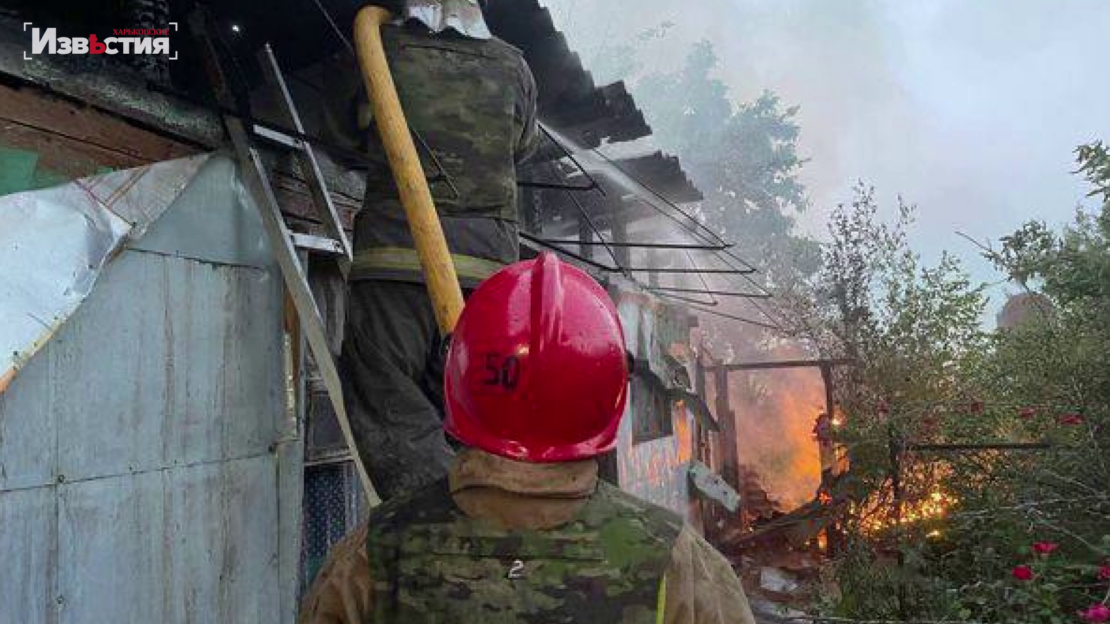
[521,530]
[471,100]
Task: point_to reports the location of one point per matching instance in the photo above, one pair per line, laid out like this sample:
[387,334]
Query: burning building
[167,449]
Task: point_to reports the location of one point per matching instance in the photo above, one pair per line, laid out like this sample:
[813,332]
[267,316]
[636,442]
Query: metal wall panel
[198,227]
[209,358]
[150,469]
[192,544]
[27,429]
[27,532]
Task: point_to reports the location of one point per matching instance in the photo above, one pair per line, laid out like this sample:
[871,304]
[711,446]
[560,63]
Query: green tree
[911,331]
[928,373]
[1048,381]
[742,157]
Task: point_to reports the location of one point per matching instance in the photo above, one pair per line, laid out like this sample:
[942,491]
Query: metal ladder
[283,242]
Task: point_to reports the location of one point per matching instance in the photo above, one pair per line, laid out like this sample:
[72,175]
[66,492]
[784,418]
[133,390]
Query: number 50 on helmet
[537,369]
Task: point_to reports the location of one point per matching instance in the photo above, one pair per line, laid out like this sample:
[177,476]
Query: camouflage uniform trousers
[392,362]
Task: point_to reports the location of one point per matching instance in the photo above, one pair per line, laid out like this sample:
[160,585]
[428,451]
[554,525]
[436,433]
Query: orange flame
[684,441]
[775,432]
[932,507]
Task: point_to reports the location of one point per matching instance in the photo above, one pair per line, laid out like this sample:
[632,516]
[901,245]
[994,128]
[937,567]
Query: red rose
[1022,573]
[1104,572]
[1045,548]
[1069,419]
[1096,613]
[1027,412]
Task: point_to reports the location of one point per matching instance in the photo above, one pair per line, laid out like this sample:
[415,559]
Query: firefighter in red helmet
[522,530]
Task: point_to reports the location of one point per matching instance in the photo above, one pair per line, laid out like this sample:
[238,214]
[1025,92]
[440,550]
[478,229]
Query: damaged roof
[569,99]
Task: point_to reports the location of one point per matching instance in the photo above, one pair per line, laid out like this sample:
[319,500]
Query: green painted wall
[20,171]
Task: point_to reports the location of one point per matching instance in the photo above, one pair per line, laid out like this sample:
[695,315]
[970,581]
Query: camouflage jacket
[697,585]
[473,102]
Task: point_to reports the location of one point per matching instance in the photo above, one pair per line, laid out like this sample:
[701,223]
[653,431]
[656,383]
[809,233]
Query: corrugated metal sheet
[55,242]
[201,227]
[149,468]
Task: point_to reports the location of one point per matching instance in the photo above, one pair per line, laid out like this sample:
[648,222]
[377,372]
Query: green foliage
[928,373]
[908,327]
[689,108]
[1058,589]
[742,157]
[1094,164]
[1050,375]
[867,585]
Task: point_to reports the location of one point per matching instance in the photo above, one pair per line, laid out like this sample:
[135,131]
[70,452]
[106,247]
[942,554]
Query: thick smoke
[970,110]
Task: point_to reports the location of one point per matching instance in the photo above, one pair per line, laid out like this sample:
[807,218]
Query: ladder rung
[316,243]
[306,157]
[278,137]
[281,240]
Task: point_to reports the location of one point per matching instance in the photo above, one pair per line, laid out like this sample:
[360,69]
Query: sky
[969,109]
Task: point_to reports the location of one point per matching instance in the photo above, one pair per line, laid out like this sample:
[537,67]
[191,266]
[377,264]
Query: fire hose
[412,185]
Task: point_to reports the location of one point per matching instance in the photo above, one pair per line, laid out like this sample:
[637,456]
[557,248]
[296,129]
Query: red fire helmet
[537,369]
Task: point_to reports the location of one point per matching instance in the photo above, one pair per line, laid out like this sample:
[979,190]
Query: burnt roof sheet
[664,174]
[568,98]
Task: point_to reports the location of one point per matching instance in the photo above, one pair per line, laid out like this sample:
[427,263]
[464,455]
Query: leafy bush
[1016,534]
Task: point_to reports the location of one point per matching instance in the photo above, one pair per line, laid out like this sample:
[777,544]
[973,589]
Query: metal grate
[333,505]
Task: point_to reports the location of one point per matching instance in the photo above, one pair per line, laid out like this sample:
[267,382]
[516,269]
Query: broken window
[651,413]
